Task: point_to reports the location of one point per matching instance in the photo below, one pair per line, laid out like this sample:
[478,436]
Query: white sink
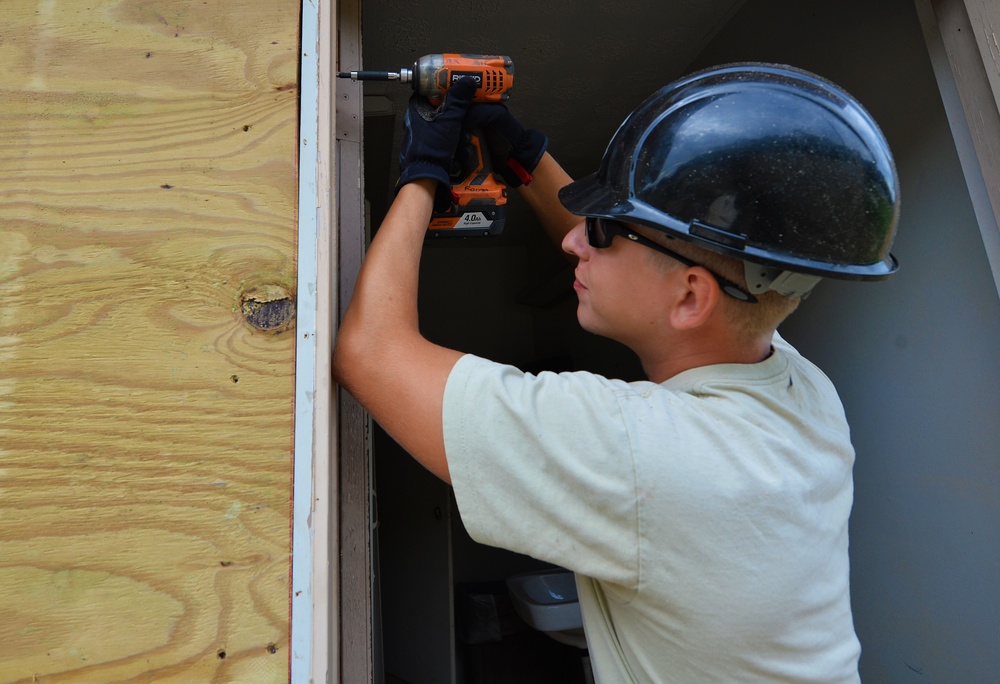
[547,600]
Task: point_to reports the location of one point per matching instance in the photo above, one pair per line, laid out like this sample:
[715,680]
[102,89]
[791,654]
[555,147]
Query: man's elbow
[362,360]
[347,359]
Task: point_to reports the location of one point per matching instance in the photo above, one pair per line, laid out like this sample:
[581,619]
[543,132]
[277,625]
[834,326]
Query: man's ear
[698,297]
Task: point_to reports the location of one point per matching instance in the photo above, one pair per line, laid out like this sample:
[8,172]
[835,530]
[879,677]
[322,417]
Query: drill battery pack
[479,209]
[479,198]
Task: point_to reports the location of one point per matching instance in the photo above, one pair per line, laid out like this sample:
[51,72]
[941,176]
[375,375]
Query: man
[704,510]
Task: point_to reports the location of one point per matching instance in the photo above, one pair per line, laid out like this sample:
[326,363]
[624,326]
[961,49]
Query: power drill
[479,197]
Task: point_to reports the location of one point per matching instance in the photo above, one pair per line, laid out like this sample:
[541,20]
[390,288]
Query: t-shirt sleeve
[543,465]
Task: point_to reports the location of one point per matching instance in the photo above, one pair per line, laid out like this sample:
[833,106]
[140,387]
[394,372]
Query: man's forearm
[542,195]
[381,318]
[380,356]
[385,297]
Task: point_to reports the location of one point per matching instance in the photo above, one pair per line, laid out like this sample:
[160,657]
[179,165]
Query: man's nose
[575,241]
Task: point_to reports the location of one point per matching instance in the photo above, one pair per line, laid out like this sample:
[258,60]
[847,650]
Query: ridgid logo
[457,76]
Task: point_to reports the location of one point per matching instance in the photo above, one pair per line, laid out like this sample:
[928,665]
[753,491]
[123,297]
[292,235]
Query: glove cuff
[443,197]
[422,169]
[530,152]
[523,158]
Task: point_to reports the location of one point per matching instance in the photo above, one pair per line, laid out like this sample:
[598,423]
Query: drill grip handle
[475,158]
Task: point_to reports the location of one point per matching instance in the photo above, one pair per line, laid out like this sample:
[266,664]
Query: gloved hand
[515,150]
[431,137]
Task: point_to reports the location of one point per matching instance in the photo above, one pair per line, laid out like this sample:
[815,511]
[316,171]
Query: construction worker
[704,510]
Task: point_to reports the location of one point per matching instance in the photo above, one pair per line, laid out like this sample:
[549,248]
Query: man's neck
[695,351]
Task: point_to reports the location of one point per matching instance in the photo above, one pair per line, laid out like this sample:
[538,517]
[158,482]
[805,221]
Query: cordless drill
[479,197]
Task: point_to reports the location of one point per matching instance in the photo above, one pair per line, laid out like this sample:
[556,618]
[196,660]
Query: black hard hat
[769,164]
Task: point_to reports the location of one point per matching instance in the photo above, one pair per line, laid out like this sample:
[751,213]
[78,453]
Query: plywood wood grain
[147,273]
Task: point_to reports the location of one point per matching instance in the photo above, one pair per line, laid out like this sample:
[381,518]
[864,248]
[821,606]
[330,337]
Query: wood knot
[269,308]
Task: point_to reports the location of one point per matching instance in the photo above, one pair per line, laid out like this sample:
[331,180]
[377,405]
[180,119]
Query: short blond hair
[750,321]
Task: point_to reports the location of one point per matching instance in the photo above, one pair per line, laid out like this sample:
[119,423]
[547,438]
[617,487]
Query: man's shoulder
[482,368]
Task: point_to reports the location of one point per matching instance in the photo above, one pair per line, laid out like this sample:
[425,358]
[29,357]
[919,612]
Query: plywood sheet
[147,273]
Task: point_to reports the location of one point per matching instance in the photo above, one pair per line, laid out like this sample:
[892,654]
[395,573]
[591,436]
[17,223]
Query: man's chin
[588,323]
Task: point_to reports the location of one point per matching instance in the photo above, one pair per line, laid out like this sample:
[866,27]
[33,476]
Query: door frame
[315,650]
[961,43]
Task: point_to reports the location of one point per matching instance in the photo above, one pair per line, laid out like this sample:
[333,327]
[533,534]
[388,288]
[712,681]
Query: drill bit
[403,75]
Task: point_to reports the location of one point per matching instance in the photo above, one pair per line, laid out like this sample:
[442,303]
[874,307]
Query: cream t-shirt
[705,517]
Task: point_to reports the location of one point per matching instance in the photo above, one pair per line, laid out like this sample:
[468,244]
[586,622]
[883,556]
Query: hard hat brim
[588,196]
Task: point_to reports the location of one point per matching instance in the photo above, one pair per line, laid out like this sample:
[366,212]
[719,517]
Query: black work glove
[431,137]
[515,150]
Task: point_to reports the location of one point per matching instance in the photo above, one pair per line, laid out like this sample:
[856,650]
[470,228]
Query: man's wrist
[424,185]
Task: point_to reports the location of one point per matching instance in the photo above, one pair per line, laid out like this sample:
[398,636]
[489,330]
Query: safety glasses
[601,231]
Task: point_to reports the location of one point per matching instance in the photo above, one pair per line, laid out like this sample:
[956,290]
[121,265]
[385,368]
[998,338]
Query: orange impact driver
[479,197]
